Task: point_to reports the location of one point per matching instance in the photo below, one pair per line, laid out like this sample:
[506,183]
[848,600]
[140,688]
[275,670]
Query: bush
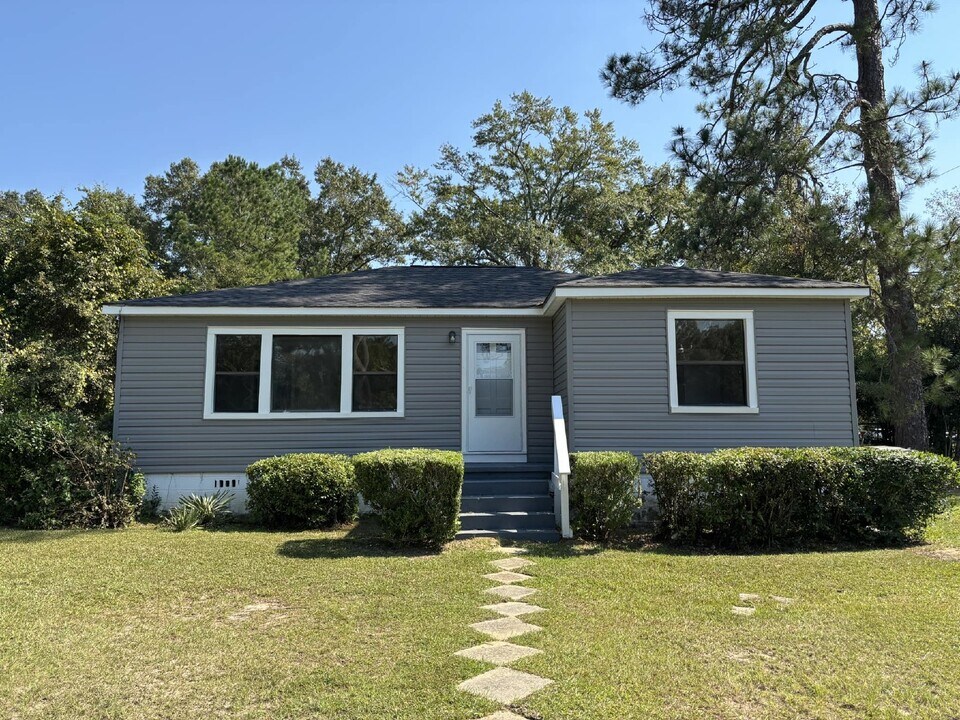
[150,507]
[416,492]
[603,492]
[310,490]
[751,497]
[57,470]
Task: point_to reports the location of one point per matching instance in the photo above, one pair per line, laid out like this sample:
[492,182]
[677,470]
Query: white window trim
[749,359]
[266,365]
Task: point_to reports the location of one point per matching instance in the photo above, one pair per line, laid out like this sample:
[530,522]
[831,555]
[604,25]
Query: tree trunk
[884,225]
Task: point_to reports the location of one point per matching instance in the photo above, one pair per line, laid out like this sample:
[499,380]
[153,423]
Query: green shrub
[416,492]
[57,470]
[150,507]
[310,490]
[752,497]
[603,492]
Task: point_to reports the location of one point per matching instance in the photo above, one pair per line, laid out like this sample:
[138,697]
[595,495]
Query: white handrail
[560,480]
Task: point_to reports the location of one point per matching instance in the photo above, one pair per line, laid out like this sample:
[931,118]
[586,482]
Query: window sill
[713,410]
[302,415]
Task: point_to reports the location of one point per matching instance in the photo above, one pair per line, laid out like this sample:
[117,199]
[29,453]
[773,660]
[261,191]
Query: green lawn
[150,624]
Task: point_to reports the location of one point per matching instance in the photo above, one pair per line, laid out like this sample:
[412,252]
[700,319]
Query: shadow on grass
[364,539]
[23,537]
[639,542]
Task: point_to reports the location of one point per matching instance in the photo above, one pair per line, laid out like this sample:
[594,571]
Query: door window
[494,379]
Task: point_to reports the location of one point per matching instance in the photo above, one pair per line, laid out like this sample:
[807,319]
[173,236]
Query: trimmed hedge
[752,497]
[603,492]
[311,490]
[57,470]
[416,493]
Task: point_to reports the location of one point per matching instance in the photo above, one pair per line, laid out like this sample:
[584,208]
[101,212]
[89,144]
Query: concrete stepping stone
[513,609]
[511,592]
[497,652]
[782,600]
[503,715]
[512,563]
[511,550]
[743,610]
[749,597]
[507,577]
[505,628]
[504,685]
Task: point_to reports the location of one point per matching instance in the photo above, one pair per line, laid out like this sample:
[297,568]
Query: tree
[351,224]
[543,188]
[59,263]
[779,100]
[776,231]
[237,224]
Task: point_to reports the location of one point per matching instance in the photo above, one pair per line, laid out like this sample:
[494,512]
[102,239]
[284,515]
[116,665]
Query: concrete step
[506,486]
[504,503]
[515,520]
[492,471]
[535,535]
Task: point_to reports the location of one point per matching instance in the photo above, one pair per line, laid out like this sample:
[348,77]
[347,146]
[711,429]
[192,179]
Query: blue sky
[111,92]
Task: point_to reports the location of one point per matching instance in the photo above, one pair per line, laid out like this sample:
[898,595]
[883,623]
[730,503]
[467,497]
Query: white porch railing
[560,479]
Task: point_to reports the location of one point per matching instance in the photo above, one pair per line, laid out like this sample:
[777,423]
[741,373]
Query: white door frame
[492,457]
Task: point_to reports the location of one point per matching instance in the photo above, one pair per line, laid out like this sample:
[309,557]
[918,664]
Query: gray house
[468,358]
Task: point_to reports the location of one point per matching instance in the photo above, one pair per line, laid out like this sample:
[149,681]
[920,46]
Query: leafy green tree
[777,231]
[59,263]
[351,224]
[236,224]
[544,187]
[779,101]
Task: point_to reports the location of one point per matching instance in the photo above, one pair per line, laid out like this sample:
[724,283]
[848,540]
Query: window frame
[266,372]
[750,364]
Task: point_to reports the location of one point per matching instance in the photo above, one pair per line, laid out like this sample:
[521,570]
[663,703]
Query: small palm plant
[210,508]
[180,518]
[198,510]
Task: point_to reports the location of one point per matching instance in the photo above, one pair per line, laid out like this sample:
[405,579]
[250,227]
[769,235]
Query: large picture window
[306,371]
[711,361]
[303,373]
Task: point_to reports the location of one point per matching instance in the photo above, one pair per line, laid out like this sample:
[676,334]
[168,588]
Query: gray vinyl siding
[560,353]
[160,388]
[562,369]
[620,394]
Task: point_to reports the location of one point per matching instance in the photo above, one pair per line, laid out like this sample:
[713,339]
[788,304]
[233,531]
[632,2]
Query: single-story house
[468,358]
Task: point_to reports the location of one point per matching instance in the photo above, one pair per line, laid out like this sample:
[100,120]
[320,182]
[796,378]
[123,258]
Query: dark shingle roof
[430,286]
[671,276]
[413,286]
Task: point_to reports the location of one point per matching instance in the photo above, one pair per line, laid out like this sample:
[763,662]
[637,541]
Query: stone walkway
[503,684]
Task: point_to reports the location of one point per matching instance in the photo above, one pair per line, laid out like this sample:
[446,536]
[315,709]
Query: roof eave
[552,304]
[261,311]
[561,293]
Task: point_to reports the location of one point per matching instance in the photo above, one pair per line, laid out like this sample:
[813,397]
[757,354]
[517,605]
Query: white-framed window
[282,372]
[712,359]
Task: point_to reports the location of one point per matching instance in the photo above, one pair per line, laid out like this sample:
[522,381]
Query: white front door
[494,418]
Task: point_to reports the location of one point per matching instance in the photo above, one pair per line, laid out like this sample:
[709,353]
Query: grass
[244,624]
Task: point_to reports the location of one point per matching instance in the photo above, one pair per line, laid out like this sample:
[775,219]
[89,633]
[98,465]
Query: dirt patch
[750,656]
[948,554]
[268,612]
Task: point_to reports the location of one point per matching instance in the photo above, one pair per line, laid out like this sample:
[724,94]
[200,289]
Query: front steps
[510,501]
